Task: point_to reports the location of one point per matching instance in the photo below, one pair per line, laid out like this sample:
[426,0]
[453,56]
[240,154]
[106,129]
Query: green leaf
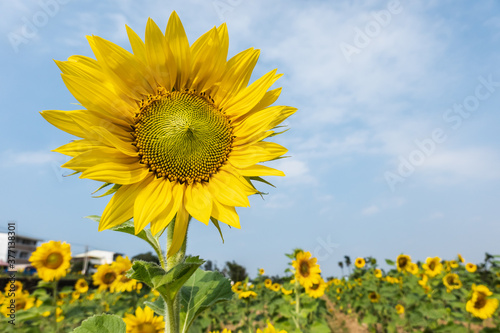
[201,291]
[166,283]
[389,262]
[157,306]
[216,223]
[103,324]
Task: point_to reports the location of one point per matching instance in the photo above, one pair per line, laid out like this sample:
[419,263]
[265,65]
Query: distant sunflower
[412,268]
[452,281]
[105,276]
[21,301]
[460,258]
[403,262]
[481,305]
[470,267]
[377,272]
[317,289]
[176,128]
[81,286]
[307,272]
[359,262]
[51,260]
[270,329]
[400,309]
[122,282]
[433,266]
[261,271]
[374,297]
[144,321]
[247,294]
[268,283]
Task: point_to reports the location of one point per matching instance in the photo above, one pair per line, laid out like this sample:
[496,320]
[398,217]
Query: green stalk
[54,303]
[172,307]
[297,305]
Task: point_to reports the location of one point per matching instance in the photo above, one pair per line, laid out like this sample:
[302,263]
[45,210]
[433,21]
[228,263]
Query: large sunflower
[144,321]
[51,260]
[402,262]
[433,266]
[176,128]
[481,305]
[307,271]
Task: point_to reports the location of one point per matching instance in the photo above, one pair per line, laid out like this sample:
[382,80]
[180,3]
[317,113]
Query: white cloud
[30,158]
[370,210]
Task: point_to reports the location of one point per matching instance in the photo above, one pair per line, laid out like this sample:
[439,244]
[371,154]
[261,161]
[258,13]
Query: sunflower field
[435,296]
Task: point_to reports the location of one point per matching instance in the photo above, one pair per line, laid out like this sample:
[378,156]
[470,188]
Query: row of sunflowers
[437,295]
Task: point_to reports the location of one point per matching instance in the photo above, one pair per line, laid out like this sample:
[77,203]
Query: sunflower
[317,289]
[374,297]
[433,266]
[270,329]
[377,272]
[275,287]
[144,321]
[105,276]
[51,260]
[17,286]
[176,128]
[268,283]
[400,309]
[359,262]
[81,286]
[460,258]
[480,305]
[21,300]
[402,262]
[286,291]
[307,272]
[247,294]
[261,271]
[452,281]
[412,268]
[470,267]
[122,282]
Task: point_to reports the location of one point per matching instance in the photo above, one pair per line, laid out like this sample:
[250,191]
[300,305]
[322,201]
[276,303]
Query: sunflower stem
[173,306]
[297,305]
[54,302]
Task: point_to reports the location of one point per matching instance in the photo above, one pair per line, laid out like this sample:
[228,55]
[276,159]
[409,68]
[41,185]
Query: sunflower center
[480,302]
[182,136]
[53,260]
[145,328]
[304,269]
[403,262]
[108,278]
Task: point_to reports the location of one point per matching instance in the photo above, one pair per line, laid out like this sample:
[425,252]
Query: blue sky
[394,149]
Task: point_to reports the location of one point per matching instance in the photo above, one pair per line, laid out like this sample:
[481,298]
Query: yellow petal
[77,147]
[132,76]
[95,96]
[247,98]
[151,201]
[121,206]
[108,138]
[237,74]
[208,61]
[258,170]
[164,219]
[258,152]
[180,228]
[116,173]
[138,47]
[99,155]
[198,202]
[179,45]
[225,214]
[159,56]
[226,188]
[63,121]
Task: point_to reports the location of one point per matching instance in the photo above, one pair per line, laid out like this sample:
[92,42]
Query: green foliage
[103,324]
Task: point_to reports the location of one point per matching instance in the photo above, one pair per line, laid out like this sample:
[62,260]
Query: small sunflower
[262,271]
[412,268]
[359,262]
[247,294]
[144,321]
[307,272]
[175,127]
[81,286]
[452,281]
[403,262]
[21,300]
[377,272]
[460,258]
[433,266]
[275,287]
[374,297]
[400,309]
[51,260]
[470,267]
[122,282]
[268,283]
[270,329]
[286,291]
[17,286]
[317,289]
[481,305]
[105,276]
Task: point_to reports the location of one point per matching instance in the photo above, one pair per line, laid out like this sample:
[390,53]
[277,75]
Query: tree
[149,256]
[235,272]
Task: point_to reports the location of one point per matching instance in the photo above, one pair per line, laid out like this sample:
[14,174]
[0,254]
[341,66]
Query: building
[93,258]
[24,247]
